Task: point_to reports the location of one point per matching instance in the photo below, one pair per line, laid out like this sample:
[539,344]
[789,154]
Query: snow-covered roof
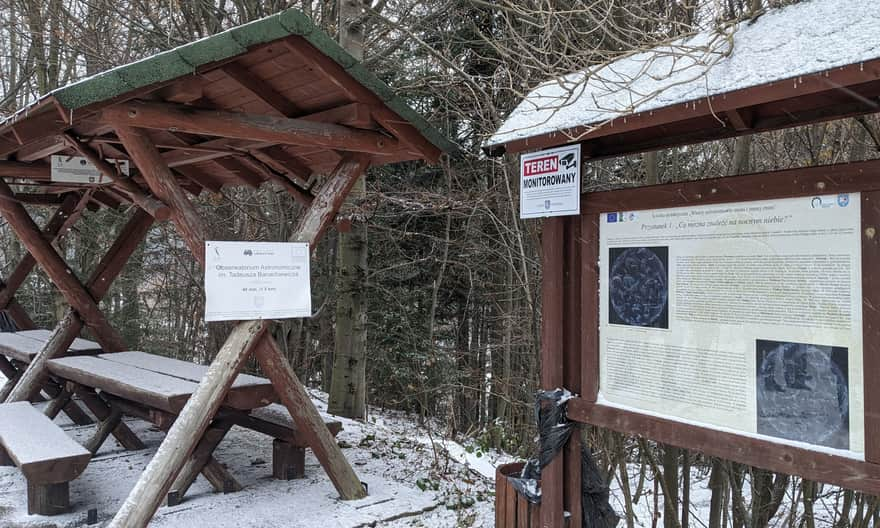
[809,37]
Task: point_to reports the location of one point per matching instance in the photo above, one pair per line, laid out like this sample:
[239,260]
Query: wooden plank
[221,123]
[552,360]
[55,458]
[138,385]
[871,321]
[275,421]
[79,345]
[261,89]
[522,512]
[590,307]
[826,179]
[247,392]
[813,465]
[500,499]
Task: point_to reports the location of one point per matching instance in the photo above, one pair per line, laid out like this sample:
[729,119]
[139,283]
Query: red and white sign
[550,183]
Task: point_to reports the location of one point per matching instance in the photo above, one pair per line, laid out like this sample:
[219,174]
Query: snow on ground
[413,482]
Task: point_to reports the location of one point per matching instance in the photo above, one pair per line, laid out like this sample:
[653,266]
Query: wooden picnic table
[156,388]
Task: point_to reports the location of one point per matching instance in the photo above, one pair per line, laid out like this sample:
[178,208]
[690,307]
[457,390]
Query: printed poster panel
[550,182]
[744,317]
[76,169]
[256,280]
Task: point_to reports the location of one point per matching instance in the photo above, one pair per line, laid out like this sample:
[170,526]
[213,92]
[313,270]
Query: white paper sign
[256,280]
[76,169]
[550,182]
[741,316]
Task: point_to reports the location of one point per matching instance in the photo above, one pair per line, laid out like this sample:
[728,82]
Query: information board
[743,317]
[550,182]
[76,169]
[256,280]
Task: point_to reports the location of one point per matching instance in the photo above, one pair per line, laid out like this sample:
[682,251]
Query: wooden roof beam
[166,116]
[157,209]
[389,120]
[259,88]
[300,195]
[32,171]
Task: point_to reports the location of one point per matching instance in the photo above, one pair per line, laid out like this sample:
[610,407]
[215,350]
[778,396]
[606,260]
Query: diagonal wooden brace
[70,326]
[65,216]
[58,270]
[245,338]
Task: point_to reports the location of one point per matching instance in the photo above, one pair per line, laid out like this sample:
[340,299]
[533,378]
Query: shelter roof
[280,71]
[787,67]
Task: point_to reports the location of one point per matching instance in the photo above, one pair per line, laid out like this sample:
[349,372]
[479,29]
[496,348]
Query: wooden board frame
[863,177]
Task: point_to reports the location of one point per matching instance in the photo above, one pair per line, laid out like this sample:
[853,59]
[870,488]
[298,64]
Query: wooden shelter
[837,77]
[276,100]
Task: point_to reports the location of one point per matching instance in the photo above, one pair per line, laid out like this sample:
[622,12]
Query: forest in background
[452,281]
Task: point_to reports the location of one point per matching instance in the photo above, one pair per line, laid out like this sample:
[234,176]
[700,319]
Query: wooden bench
[288,446]
[48,458]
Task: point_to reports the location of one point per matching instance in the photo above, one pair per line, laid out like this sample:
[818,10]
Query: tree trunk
[348,385]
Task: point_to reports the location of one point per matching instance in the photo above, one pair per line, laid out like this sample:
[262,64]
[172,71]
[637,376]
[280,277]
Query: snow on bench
[289,446]
[23,346]
[48,458]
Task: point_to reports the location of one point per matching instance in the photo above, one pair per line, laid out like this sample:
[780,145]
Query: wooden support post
[308,421]
[552,295]
[69,327]
[157,209]
[571,453]
[64,216]
[164,185]
[288,460]
[247,337]
[58,270]
[197,462]
[48,499]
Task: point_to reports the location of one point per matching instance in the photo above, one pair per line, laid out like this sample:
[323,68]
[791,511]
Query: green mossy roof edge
[186,59]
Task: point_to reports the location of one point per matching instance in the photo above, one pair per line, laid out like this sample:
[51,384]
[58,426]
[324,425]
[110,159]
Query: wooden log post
[199,459]
[245,338]
[157,209]
[102,411]
[64,216]
[58,270]
[69,327]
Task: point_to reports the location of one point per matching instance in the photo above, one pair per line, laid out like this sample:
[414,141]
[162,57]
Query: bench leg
[48,499]
[58,403]
[105,428]
[102,411]
[203,462]
[70,408]
[288,461]
[4,458]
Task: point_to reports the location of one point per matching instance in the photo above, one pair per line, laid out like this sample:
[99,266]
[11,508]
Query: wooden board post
[572,454]
[247,337]
[552,296]
[69,327]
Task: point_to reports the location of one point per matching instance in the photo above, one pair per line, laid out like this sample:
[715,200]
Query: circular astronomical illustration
[639,286]
[803,393]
